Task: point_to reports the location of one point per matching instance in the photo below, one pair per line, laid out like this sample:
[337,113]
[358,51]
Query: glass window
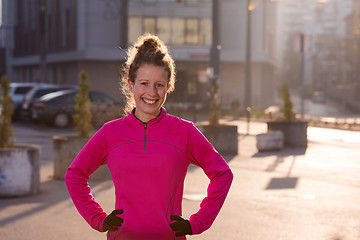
[150,25]
[100,98]
[22,90]
[192,2]
[205,32]
[163,29]
[174,31]
[192,31]
[149,1]
[178,28]
[134,29]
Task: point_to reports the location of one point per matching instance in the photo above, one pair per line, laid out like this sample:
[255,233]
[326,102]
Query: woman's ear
[168,87]
[131,84]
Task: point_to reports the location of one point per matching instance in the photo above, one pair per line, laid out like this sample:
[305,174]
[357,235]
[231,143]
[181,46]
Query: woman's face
[149,90]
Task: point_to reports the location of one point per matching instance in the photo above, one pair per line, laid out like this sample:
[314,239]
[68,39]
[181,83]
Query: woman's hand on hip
[181,227]
[112,222]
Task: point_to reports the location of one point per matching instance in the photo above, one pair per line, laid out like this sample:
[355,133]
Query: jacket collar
[152,121]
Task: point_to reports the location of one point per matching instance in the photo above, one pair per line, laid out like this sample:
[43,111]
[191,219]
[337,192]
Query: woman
[148,153]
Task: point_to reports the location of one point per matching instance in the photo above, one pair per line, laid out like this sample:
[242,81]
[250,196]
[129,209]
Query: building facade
[53,40]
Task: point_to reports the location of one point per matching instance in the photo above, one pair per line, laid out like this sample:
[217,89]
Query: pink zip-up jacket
[148,163]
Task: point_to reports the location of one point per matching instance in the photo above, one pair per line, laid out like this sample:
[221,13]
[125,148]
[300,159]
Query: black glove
[182,227]
[112,222]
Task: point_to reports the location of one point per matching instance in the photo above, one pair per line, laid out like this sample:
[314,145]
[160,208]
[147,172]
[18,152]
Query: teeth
[149,101]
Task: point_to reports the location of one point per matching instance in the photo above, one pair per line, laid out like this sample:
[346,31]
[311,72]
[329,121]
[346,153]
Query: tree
[6,130]
[214,115]
[287,107]
[83,116]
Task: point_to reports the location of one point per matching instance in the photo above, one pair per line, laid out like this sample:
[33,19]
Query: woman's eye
[160,85]
[144,83]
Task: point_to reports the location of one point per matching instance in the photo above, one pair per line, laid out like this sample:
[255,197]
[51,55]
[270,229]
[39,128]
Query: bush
[287,107]
[82,117]
[214,115]
[6,130]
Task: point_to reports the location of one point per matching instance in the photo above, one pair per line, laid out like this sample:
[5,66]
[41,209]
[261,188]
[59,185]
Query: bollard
[248,115]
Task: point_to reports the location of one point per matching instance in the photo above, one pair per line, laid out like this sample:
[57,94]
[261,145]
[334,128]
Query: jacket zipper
[145,127]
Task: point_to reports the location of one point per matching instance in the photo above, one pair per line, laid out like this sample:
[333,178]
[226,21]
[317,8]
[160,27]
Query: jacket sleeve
[203,154]
[86,162]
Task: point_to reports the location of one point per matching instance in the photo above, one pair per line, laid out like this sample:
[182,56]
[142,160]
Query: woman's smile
[149,101]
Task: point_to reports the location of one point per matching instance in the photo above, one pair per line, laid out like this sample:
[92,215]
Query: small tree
[82,117]
[287,107]
[215,103]
[6,130]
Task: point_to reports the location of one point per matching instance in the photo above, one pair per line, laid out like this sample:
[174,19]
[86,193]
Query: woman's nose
[152,90]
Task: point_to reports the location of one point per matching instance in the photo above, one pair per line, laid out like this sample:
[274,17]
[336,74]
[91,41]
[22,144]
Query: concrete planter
[295,133]
[66,148]
[270,141]
[20,171]
[224,138]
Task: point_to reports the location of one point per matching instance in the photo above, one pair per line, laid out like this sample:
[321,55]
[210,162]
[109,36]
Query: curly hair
[148,49]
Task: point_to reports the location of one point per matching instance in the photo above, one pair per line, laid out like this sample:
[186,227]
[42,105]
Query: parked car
[36,93]
[17,94]
[58,108]
[318,97]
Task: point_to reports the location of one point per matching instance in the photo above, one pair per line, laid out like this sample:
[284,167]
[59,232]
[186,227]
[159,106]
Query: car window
[100,98]
[22,90]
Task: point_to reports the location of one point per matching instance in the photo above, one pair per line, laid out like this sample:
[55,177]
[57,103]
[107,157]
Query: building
[54,43]
[346,88]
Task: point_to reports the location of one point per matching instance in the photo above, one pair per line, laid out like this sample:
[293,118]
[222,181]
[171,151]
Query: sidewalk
[291,194]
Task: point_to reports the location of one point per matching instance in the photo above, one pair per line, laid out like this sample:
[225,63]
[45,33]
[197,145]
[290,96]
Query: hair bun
[149,44]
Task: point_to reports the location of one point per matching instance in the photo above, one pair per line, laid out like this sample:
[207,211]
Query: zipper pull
[145,127]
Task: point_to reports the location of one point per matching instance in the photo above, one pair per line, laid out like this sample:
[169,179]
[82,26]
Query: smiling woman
[149,91]
[148,153]
[150,62]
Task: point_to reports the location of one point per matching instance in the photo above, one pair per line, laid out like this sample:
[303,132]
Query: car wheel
[61,120]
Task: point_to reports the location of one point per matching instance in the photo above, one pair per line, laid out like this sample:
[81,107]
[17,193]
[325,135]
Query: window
[173,31]
[192,31]
[134,28]
[22,90]
[149,25]
[178,28]
[163,29]
[205,34]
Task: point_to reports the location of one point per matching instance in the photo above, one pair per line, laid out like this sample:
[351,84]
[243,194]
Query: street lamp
[214,78]
[215,46]
[43,64]
[247,101]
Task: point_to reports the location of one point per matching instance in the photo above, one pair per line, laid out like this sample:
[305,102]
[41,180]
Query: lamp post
[124,24]
[43,67]
[247,94]
[214,78]
[215,46]
[247,100]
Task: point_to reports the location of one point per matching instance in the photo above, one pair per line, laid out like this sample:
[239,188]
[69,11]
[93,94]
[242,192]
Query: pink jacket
[148,163]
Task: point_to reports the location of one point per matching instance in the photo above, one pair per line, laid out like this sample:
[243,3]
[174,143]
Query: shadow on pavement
[53,192]
[282,183]
[287,182]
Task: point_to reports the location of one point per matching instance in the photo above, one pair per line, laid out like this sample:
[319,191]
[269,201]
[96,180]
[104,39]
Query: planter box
[224,138]
[66,148]
[20,171]
[295,133]
[270,141]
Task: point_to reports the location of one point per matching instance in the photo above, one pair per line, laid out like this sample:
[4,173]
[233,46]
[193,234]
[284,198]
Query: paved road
[303,194]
